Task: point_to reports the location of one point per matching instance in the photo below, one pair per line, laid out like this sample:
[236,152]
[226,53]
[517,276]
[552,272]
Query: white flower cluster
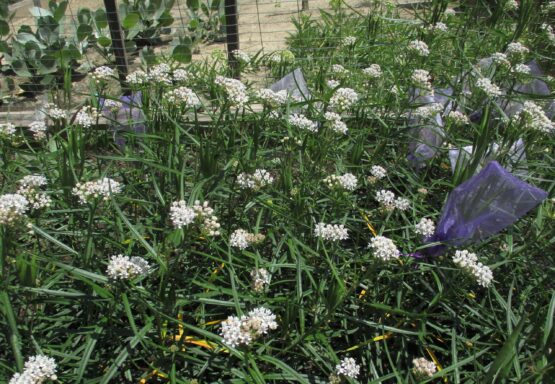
[419,47]
[500,59]
[183,95]
[347,367]
[428,111]
[282,57]
[241,56]
[388,201]
[242,239]
[548,30]
[86,116]
[335,122]
[421,79]
[182,215]
[181,75]
[259,179]
[260,279]
[103,188]
[384,248]
[244,330]
[458,118]
[302,122]
[235,90]
[271,98]
[511,5]
[533,117]
[488,87]
[343,99]
[112,105]
[468,262]
[348,41]
[423,368]
[516,50]
[438,27]
[54,112]
[376,173]
[450,12]
[338,69]
[12,208]
[29,187]
[521,69]
[332,83]
[347,181]
[37,370]
[137,78]
[38,129]
[425,227]
[374,71]
[160,74]
[103,73]
[123,267]
[332,232]
[7,130]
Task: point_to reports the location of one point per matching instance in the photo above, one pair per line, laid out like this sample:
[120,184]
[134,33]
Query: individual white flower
[183,95]
[87,116]
[423,368]
[421,79]
[255,181]
[137,78]
[205,214]
[302,122]
[347,367]
[374,71]
[29,187]
[531,116]
[419,47]
[237,331]
[260,279]
[54,112]
[242,56]
[271,98]
[488,87]
[348,41]
[103,73]
[7,130]
[458,118]
[338,69]
[331,232]
[234,89]
[343,98]
[239,239]
[123,267]
[13,207]
[425,227]
[181,214]
[384,248]
[347,182]
[335,123]
[181,75]
[102,188]
[37,370]
[516,50]
[38,129]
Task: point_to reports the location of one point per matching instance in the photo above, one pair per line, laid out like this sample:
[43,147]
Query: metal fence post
[118,44]
[232,35]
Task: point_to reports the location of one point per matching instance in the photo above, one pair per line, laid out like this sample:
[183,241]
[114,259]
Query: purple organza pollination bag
[128,118]
[483,205]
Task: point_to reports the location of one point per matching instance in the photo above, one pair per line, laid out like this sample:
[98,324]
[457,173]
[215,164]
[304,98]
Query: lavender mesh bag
[128,118]
[295,85]
[483,205]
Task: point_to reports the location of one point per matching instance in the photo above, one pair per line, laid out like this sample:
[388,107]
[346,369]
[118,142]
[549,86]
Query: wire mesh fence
[46,44]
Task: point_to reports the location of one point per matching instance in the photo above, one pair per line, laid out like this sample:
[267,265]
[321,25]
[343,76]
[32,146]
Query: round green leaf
[182,53]
[4,28]
[130,20]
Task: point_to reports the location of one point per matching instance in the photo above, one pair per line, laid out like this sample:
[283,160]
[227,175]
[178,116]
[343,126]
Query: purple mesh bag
[129,118]
[482,206]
